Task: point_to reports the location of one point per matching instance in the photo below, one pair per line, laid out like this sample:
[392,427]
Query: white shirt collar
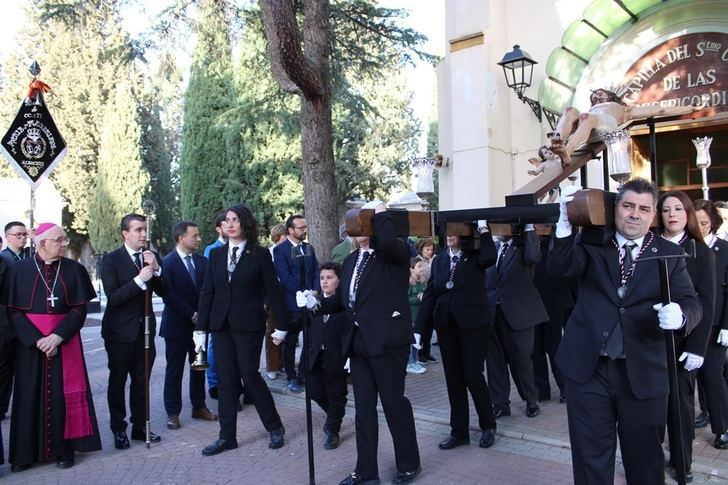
[675,239]
[241,247]
[221,240]
[295,244]
[621,240]
[453,253]
[131,251]
[181,253]
[710,239]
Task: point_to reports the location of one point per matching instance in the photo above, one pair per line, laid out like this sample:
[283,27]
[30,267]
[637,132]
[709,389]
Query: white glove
[418,341]
[529,227]
[670,316]
[305,299]
[482,226]
[723,338]
[347,365]
[278,336]
[692,361]
[563,226]
[199,337]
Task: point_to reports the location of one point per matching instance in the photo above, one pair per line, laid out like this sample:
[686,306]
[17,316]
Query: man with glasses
[285,256]
[16,235]
[53,410]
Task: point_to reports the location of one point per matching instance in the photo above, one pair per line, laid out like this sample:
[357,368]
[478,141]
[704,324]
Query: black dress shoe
[500,412]
[453,441]
[19,468]
[532,410]
[142,436]
[487,438]
[332,441]
[65,462]
[356,479]
[173,422]
[721,441]
[121,440]
[406,477]
[562,399]
[219,446]
[276,438]
[702,420]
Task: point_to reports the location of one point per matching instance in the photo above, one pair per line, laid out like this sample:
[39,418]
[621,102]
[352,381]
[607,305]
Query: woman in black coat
[710,375]
[677,223]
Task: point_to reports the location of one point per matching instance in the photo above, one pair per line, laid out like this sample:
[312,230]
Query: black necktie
[234,257]
[360,270]
[453,264]
[138,261]
[614,346]
[502,256]
[191,269]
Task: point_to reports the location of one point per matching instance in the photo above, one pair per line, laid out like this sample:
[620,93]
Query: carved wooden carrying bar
[406,223]
[591,207]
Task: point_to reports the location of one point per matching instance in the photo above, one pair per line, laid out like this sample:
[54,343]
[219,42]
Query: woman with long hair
[714,391]
[677,223]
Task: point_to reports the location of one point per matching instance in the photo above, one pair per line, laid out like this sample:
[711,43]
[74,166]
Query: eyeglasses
[233,220]
[19,235]
[300,227]
[60,240]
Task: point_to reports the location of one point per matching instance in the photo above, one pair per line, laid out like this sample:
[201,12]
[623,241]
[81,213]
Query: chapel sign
[688,70]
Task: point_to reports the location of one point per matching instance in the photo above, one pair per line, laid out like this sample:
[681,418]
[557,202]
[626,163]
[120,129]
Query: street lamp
[620,165]
[518,69]
[702,146]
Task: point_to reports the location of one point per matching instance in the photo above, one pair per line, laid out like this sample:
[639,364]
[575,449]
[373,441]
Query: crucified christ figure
[607,113]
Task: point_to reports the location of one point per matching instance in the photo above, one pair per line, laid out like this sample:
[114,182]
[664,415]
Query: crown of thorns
[618,90]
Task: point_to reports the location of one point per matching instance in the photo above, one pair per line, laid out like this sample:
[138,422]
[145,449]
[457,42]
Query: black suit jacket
[239,302]
[512,285]
[720,251]
[124,299]
[381,309]
[598,309]
[467,301]
[181,300]
[327,331]
[702,273]
[287,268]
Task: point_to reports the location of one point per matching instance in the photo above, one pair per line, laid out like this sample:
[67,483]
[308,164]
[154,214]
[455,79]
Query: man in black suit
[517,308]
[127,273]
[613,351]
[239,279]
[374,293]
[456,304]
[16,235]
[288,270]
[184,271]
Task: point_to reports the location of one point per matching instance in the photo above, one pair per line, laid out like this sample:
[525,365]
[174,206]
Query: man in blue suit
[287,267]
[212,370]
[185,270]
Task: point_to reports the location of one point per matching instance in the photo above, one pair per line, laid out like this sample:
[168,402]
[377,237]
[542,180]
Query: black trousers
[238,356]
[289,345]
[463,359]
[713,386]
[7,371]
[180,354]
[546,340]
[127,360]
[510,349]
[382,376]
[605,407]
[426,335]
[327,384]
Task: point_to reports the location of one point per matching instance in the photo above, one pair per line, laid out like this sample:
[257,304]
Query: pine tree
[122,181]
[205,160]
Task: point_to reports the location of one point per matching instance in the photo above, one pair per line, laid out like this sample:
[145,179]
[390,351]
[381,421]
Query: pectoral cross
[52,299]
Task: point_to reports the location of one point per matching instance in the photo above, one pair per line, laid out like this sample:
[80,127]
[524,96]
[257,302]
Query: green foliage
[205,159]
[122,181]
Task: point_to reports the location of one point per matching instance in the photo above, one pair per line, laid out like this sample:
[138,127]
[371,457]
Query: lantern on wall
[702,160]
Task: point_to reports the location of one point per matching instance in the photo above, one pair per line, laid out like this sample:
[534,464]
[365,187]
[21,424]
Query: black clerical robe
[53,412]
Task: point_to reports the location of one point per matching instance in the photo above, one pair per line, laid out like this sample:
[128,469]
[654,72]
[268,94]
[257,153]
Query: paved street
[533,451]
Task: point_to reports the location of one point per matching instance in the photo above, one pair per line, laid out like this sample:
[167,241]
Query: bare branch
[288,64]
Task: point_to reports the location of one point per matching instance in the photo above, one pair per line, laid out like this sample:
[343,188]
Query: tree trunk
[310,77]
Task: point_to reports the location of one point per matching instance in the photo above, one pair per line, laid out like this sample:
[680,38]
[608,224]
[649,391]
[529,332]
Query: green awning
[580,42]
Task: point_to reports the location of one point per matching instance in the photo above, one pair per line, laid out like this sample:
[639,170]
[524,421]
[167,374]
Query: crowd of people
[507,307]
